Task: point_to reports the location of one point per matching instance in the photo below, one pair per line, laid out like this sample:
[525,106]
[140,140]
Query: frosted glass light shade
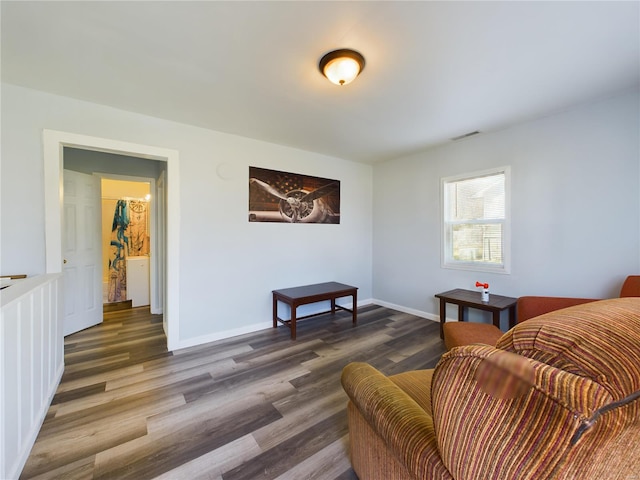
[342,66]
[342,70]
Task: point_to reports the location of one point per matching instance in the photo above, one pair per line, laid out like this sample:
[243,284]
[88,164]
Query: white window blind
[475,221]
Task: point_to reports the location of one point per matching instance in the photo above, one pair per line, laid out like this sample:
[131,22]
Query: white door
[81,251]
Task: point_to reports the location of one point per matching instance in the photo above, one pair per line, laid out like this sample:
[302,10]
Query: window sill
[474,267]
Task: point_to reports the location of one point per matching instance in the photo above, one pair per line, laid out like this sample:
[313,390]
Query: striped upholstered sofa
[557,398]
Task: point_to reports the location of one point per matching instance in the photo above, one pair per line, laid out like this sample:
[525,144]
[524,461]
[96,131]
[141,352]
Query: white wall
[575,208]
[575,203]
[228,266]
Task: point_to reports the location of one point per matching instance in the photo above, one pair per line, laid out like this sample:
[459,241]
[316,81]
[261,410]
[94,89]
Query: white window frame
[446,259]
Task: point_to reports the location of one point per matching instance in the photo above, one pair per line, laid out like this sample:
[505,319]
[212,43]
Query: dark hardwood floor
[257,406]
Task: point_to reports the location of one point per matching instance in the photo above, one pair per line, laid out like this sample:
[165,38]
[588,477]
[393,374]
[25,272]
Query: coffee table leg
[496,318]
[443,311]
[512,316]
[275,311]
[293,322]
[355,307]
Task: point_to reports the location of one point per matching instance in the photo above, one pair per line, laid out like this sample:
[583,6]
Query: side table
[466,299]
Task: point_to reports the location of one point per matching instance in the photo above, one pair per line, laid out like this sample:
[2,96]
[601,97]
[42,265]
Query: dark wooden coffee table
[319,292]
[466,299]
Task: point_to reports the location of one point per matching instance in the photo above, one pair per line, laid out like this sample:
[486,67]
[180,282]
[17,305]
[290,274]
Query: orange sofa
[557,398]
[457,334]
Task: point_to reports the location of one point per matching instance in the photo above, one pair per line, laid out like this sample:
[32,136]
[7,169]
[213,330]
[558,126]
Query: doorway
[54,144]
[109,250]
[125,244]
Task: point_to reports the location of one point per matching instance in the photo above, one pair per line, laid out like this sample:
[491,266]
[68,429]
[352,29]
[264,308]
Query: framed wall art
[276,196]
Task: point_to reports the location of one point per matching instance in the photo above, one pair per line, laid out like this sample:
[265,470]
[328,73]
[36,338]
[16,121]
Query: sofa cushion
[416,384]
[598,340]
[457,334]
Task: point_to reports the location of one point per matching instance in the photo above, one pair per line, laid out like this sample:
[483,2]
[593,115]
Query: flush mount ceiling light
[341,66]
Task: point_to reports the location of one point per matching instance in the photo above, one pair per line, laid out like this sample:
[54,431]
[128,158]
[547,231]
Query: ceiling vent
[470,134]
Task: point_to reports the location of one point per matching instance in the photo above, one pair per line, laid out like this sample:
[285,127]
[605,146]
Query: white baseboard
[192,342]
[412,311]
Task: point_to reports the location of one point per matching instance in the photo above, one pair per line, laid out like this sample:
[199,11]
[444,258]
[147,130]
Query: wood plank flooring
[257,406]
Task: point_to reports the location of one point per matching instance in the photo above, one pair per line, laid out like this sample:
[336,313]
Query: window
[475,234]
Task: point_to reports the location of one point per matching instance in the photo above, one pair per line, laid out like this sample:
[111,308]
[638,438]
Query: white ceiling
[435,70]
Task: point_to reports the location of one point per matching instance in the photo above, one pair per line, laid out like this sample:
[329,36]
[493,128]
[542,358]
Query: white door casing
[54,143]
[160,260]
[82,253]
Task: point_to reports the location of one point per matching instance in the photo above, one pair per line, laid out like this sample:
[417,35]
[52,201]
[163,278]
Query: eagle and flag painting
[276,196]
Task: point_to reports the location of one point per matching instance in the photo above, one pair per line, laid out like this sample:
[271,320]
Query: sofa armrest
[404,426]
[530,306]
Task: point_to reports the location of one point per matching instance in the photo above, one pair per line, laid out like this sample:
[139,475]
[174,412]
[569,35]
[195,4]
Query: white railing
[31,364]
